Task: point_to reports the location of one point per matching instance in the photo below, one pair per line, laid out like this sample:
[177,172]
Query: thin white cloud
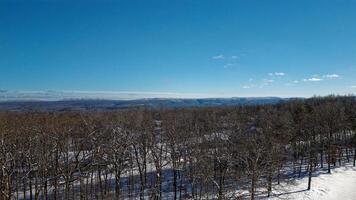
[228,65]
[263,85]
[218,57]
[248,86]
[353,86]
[313,79]
[295,82]
[268,80]
[222,57]
[277,74]
[331,76]
[317,78]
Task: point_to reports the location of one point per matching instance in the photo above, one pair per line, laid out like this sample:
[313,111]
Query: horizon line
[58,95]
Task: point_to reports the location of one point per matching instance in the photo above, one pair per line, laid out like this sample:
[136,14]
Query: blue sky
[209,48]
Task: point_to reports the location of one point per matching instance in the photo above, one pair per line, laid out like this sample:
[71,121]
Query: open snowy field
[340,184]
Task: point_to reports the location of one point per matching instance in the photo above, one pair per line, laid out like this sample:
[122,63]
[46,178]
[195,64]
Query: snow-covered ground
[340,184]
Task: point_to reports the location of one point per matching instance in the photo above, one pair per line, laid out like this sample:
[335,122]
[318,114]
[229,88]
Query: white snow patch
[340,184]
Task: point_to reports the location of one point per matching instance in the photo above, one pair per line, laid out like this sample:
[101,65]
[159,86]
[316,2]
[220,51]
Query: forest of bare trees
[188,153]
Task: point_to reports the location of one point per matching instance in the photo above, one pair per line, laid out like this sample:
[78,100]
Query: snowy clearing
[340,184]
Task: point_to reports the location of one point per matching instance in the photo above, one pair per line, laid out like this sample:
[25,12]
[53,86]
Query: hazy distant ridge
[120,104]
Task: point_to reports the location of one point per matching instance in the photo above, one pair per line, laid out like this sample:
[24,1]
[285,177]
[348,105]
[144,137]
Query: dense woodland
[192,153]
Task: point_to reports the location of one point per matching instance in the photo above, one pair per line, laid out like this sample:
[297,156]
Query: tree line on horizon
[185,153]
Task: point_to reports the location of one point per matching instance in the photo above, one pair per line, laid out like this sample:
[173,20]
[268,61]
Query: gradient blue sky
[209,47]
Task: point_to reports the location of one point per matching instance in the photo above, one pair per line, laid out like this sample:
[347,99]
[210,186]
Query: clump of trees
[197,153]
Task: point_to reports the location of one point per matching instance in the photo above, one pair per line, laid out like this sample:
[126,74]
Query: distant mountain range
[87,104]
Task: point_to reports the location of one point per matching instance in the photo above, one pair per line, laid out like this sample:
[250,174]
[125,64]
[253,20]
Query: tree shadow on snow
[284,195]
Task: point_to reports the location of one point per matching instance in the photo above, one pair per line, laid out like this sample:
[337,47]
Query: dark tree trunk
[322,159]
[301,165]
[221,185]
[269,186]
[355,157]
[329,153]
[175,183]
[310,174]
[30,182]
[117,185]
[253,186]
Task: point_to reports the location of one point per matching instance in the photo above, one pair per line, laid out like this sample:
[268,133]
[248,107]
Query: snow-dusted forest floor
[340,184]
